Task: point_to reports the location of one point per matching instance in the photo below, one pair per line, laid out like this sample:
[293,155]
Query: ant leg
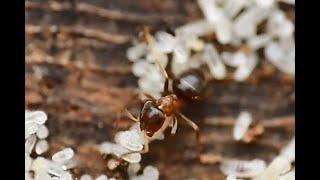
[193,125]
[143,151]
[131,116]
[166,86]
[165,75]
[175,126]
[128,153]
[197,130]
[146,145]
[149,41]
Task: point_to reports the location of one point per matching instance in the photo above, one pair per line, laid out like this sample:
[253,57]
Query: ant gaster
[158,114]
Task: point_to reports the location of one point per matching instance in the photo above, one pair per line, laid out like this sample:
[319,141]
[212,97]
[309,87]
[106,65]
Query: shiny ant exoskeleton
[158,114]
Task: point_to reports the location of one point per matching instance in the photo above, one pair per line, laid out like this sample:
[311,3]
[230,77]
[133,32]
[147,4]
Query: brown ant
[158,114]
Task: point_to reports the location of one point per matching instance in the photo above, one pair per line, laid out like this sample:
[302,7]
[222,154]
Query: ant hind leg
[196,128]
[193,125]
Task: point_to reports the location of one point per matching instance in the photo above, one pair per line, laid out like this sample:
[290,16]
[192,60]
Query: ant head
[151,118]
[189,85]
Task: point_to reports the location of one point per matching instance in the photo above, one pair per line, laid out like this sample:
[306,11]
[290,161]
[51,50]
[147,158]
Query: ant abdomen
[189,85]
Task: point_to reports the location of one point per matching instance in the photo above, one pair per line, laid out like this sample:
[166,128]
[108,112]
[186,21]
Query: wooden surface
[77,72]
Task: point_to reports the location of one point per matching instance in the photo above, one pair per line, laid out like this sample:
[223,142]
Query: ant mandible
[158,114]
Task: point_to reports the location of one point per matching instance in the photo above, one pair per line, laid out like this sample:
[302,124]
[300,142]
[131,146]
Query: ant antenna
[131,116]
[149,96]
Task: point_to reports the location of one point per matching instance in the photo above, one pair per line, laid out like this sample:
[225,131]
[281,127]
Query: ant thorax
[169,104]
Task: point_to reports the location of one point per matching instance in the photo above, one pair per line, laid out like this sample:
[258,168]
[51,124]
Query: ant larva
[158,114]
